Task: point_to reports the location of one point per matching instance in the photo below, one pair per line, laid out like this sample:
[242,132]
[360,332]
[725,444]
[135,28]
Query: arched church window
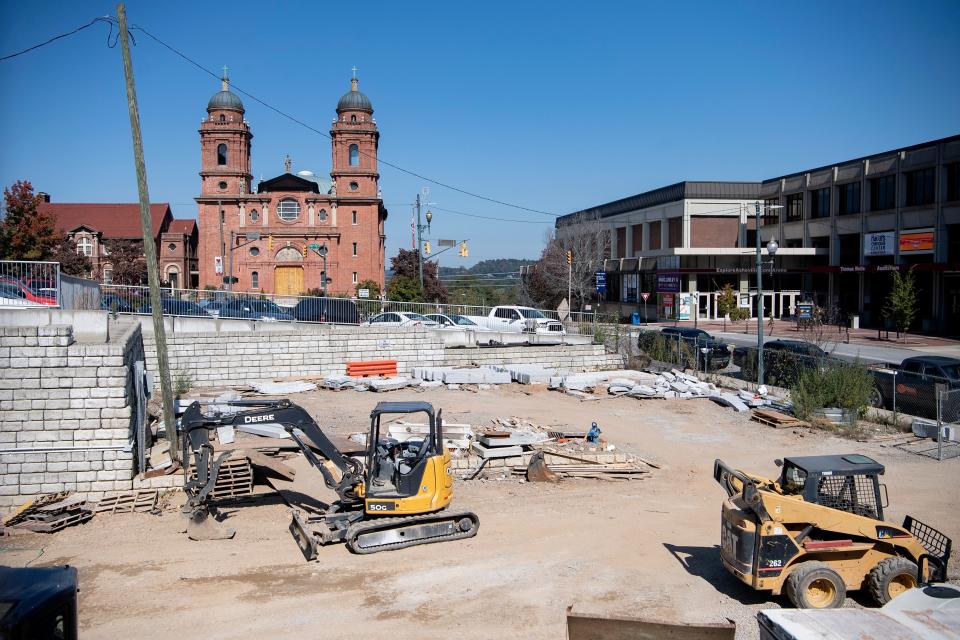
[223,118]
[354,155]
[254,216]
[288,209]
[353,119]
[323,215]
[289,254]
[255,280]
[85,246]
[221,154]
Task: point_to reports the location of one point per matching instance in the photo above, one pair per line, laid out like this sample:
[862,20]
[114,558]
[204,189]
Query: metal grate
[854,494]
[932,540]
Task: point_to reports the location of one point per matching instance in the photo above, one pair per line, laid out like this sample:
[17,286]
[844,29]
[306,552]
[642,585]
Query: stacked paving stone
[65,417]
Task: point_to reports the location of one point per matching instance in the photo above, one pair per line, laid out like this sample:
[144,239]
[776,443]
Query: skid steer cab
[818,531]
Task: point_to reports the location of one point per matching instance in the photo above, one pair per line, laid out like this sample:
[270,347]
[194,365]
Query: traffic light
[464,252]
[270,243]
[569,257]
[304,251]
[426,247]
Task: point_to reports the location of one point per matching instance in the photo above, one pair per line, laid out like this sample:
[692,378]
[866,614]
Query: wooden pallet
[235,479]
[141,501]
[776,419]
[372,368]
[53,522]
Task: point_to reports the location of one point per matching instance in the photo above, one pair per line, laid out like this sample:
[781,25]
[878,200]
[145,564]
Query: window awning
[629,265]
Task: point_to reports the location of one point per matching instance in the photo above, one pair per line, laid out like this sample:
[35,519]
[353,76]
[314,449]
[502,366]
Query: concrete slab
[499,452]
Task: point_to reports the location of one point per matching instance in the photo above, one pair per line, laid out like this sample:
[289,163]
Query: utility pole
[419,243]
[230,277]
[223,245]
[149,248]
[759,298]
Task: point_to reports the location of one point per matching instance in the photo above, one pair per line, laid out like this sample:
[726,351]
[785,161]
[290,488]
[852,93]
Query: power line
[325,135]
[477,215]
[108,19]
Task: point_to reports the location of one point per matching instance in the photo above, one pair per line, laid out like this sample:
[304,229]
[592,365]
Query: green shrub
[846,385]
[666,349]
[182,383]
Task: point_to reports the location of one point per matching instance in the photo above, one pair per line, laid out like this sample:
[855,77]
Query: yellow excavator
[818,531]
[396,496]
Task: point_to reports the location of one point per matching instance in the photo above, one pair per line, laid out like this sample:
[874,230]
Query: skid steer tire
[890,578]
[814,585]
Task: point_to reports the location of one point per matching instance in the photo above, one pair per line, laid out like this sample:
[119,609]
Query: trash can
[635,317]
[854,322]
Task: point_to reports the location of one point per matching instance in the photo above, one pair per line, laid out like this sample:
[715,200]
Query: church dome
[354,100]
[225,99]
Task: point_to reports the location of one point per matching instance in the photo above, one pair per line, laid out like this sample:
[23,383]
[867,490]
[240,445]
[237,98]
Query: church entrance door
[289,281]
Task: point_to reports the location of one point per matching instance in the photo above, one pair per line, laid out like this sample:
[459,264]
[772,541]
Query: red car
[38,296]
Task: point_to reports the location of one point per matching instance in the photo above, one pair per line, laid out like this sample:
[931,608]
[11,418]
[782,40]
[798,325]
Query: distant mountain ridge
[498,266]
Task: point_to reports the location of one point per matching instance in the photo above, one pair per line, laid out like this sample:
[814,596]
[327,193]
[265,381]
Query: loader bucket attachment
[538,471]
[200,526]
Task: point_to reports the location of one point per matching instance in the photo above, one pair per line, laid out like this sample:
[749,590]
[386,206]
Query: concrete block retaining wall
[65,415]
[220,359]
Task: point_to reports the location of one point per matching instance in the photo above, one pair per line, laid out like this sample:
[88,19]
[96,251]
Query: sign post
[645,295]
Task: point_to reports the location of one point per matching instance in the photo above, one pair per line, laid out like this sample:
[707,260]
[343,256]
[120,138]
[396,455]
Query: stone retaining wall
[222,359]
[65,416]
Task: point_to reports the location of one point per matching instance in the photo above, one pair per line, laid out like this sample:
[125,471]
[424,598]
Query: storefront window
[630,283]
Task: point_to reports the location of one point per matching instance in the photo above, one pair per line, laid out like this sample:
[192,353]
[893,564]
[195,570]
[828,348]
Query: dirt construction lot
[647,547]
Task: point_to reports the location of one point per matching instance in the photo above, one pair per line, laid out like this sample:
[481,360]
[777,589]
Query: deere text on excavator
[396,496]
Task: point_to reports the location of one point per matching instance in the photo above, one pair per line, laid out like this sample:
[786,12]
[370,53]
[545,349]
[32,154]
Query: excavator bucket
[538,471]
[200,526]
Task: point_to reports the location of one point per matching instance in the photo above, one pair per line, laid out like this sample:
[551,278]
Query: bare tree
[545,283]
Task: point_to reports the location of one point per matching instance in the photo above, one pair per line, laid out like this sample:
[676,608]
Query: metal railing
[255,305]
[25,283]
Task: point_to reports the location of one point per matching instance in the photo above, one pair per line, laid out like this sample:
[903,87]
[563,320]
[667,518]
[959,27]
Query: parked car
[253,309]
[175,307]
[12,295]
[29,294]
[783,360]
[520,320]
[916,381]
[113,302]
[401,319]
[455,321]
[326,310]
[212,307]
[718,352]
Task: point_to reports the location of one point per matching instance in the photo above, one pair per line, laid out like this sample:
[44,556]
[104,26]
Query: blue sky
[554,106]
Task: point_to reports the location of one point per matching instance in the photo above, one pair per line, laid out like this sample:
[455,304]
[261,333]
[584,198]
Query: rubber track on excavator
[387,534]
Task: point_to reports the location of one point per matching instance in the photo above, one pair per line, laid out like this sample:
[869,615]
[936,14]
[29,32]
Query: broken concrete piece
[387,384]
[453,387]
[730,400]
[499,452]
[431,384]
[283,388]
[266,429]
[680,387]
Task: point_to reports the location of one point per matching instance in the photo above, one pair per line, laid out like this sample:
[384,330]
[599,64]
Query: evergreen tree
[901,305]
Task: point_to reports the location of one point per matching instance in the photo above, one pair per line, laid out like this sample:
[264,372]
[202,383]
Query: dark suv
[783,360]
[717,354]
[326,310]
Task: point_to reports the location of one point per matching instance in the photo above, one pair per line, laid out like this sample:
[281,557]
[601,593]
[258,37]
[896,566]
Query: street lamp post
[772,247]
[420,228]
[251,236]
[323,281]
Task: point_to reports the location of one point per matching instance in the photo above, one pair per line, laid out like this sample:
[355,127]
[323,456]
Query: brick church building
[298,217]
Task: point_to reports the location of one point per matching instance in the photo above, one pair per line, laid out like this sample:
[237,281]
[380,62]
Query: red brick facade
[296,215]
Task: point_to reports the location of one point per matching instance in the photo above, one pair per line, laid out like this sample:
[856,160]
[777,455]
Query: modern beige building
[842,229]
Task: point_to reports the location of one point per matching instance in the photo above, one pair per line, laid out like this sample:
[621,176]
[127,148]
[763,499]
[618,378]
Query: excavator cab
[849,482]
[406,477]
